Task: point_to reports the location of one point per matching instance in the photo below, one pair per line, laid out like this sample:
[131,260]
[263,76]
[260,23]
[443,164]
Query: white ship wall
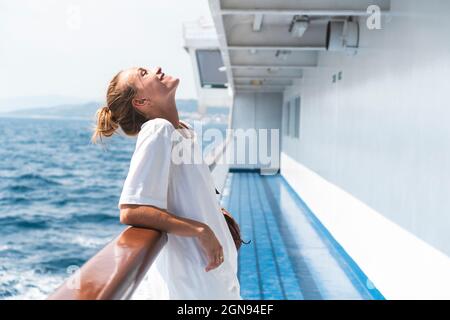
[376,145]
[255,111]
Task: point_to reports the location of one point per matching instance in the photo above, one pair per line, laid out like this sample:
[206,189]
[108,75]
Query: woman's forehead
[129,76]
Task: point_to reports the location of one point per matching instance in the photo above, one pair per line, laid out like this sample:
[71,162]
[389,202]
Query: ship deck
[291,254]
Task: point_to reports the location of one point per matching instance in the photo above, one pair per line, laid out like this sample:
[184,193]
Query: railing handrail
[213,157]
[114,272]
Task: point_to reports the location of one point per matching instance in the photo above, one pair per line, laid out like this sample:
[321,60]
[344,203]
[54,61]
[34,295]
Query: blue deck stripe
[305,279]
[255,241]
[275,287]
[273,265]
[362,282]
[285,269]
[249,277]
[272,285]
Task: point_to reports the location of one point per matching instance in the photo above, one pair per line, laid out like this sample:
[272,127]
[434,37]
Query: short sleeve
[147,181]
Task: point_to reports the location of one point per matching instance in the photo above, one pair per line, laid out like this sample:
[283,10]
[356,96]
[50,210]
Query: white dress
[186,190]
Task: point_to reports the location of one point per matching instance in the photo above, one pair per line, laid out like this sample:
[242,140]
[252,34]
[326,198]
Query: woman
[199,260]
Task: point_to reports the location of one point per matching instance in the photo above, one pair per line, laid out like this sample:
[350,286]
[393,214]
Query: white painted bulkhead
[373,153]
[256,110]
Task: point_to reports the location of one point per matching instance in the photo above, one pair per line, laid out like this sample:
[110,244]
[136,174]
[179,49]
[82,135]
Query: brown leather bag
[234,229]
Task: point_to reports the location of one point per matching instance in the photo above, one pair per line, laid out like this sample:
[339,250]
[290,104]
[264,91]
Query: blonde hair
[118,112]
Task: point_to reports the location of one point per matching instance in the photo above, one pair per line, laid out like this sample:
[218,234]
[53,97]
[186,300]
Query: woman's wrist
[202,230]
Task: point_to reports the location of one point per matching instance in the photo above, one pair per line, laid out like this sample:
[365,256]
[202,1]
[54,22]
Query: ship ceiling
[266,45]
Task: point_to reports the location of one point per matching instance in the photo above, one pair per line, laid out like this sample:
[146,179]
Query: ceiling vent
[343,36]
[299,25]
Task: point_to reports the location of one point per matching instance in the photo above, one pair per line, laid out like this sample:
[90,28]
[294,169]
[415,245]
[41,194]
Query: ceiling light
[272,70]
[299,25]
[282,54]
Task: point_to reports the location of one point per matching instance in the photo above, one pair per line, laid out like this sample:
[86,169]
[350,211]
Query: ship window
[291,119]
[296,117]
[209,62]
[287,108]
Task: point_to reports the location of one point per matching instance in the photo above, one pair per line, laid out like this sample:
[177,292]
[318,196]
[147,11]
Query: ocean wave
[88,242]
[80,200]
[32,285]
[15,201]
[24,223]
[58,265]
[93,218]
[38,179]
[19,188]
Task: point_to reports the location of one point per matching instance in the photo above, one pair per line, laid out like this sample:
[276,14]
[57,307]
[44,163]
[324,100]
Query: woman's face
[155,90]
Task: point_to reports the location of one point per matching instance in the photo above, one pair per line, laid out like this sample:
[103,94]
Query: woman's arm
[144,216]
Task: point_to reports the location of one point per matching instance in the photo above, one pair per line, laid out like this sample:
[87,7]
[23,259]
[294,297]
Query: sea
[58,199]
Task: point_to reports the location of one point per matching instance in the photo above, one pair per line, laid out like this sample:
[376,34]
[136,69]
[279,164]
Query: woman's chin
[171,81]
[174,83]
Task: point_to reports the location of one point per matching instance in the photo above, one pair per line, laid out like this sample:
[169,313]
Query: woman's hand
[211,247]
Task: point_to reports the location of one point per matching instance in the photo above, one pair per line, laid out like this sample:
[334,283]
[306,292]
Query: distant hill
[29,102]
[85,110]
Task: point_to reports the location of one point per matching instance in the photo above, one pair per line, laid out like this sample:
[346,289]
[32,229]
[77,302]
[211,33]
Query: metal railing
[114,272]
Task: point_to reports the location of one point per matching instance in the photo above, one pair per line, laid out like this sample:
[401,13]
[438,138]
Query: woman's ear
[138,102]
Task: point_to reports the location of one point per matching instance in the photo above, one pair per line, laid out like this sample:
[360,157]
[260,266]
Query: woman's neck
[173,119]
[173,116]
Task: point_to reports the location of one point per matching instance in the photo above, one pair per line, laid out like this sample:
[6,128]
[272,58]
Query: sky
[58,50]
